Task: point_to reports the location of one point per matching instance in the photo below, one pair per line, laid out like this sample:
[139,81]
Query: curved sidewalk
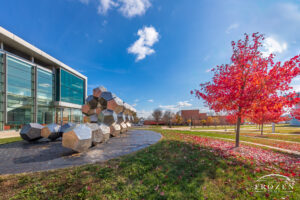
[19,157]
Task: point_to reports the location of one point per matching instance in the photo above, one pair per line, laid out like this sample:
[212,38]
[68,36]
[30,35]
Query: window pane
[45,95]
[72,88]
[19,92]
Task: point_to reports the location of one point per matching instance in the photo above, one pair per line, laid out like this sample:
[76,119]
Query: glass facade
[1,91]
[45,96]
[20,84]
[65,115]
[30,94]
[71,88]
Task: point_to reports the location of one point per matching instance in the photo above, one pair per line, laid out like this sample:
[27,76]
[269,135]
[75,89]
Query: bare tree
[167,117]
[157,113]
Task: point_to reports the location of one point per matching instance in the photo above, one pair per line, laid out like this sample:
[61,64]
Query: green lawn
[170,169]
[279,128]
[9,140]
[231,135]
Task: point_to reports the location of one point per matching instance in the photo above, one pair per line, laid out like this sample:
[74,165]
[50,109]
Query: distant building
[35,87]
[295,122]
[193,115]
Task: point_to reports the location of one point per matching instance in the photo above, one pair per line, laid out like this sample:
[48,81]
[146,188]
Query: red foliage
[250,79]
[269,109]
[296,113]
[232,118]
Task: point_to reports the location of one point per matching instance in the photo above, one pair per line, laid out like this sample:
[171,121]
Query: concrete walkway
[19,157]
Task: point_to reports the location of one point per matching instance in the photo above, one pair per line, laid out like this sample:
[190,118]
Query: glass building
[36,87]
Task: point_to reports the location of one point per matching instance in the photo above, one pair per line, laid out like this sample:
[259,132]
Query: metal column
[4,89]
[35,83]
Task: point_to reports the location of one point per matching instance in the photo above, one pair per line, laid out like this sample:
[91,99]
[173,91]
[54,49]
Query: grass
[252,133]
[280,128]
[9,140]
[169,169]
[230,135]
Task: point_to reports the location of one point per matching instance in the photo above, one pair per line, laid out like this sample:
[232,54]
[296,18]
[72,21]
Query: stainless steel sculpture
[66,126]
[92,106]
[121,122]
[106,115]
[31,131]
[78,138]
[115,104]
[98,91]
[109,118]
[105,131]
[51,131]
[97,134]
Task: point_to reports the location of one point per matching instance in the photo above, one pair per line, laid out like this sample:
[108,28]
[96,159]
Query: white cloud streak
[273,46]
[143,46]
[151,100]
[144,113]
[128,8]
[179,105]
[232,27]
[131,8]
[105,5]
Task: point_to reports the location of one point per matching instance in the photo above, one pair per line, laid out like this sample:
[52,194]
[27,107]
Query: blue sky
[151,53]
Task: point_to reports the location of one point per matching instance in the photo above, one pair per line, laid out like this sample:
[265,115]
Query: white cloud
[135,104]
[136,100]
[184,104]
[105,5]
[168,107]
[273,46]
[208,70]
[144,113]
[296,79]
[179,105]
[142,47]
[128,8]
[85,1]
[232,27]
[151,100]
[131,8]
[296,88]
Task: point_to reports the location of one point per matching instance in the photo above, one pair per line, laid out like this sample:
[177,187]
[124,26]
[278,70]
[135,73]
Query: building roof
[21,45]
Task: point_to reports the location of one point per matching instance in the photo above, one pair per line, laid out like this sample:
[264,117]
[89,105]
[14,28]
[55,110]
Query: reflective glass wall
[71,88]
[1,91]
[45,96]
[20,79]
[20,84]
[65,115]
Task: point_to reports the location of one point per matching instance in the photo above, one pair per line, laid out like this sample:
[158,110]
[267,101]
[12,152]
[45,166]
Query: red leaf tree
[270,108]
[296,113]
[237,86]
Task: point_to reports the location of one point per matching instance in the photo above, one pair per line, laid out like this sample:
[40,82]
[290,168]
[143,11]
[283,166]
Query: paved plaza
[19,157]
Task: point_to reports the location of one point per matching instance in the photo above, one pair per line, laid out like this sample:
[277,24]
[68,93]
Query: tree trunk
[262,129]
[237,136]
